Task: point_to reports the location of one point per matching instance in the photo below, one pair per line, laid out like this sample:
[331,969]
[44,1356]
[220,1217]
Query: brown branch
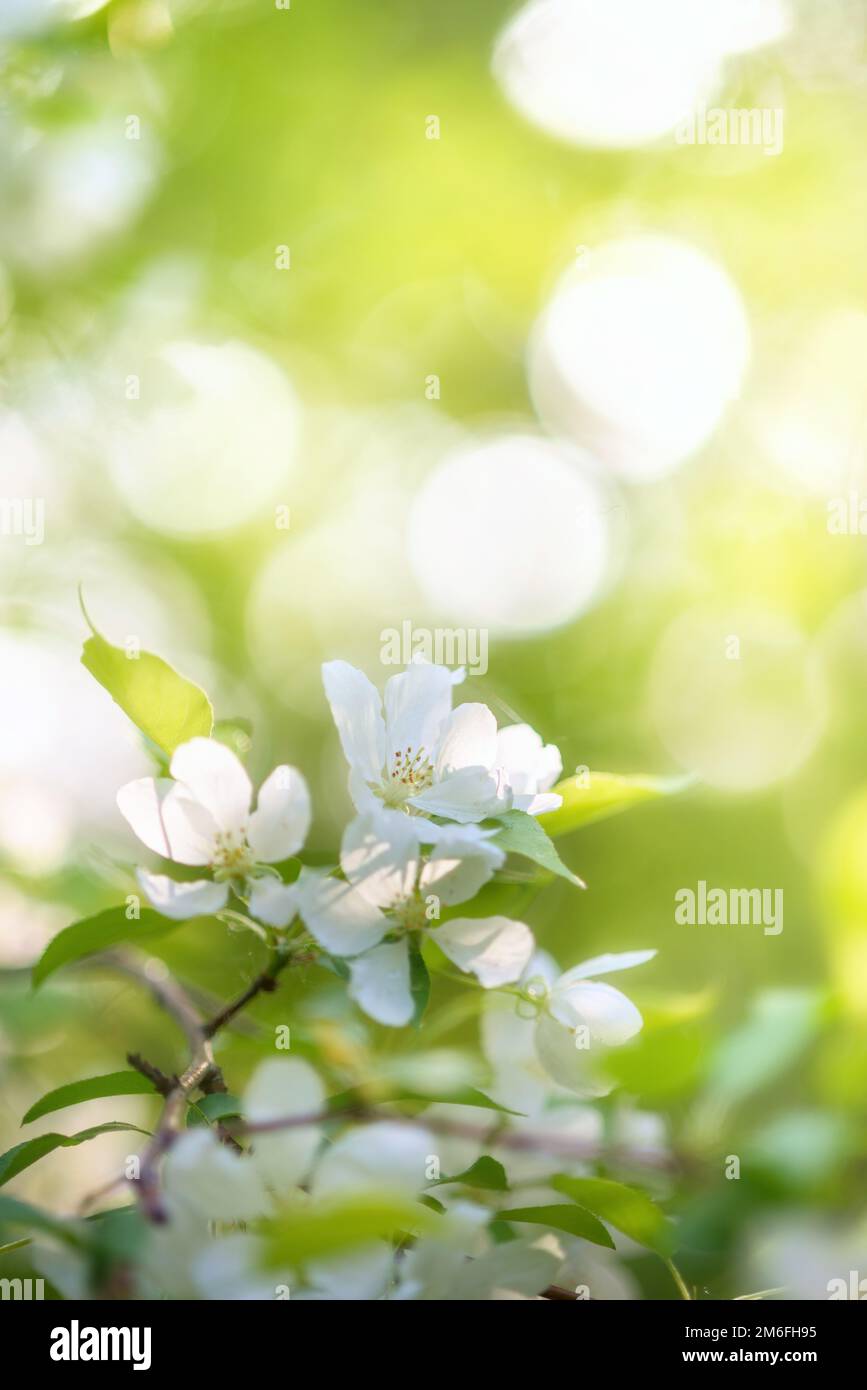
[161,1083]
[201,1073]
[265,983]
[518,1140]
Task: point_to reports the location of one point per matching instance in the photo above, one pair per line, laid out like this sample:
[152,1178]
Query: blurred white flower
[578,1018]
[201,816]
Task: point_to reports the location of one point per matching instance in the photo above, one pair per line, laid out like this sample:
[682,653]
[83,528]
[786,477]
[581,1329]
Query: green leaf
[605,794]
[419,984]
[114,1083]
[15,1160]
[219,1105]
[485,1172]
[782,1023]
[10,1245]
[14,1212]
[305,1233]
[523,834]
[378,1092]
[575,1220]
[165,706]
[625,1207]
[93,934]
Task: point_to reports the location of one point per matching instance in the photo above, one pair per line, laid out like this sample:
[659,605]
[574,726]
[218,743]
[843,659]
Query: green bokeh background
[412,257]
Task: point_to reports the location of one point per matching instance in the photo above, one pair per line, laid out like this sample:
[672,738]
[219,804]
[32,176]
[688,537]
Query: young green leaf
[342,1224]
[604,794]
[93,934]
[114,1083]
[523,834]
[625,1207]
[219,1105]
[363,1095]
[165,706]
[575,1220]
[15,1160]
[486,1172]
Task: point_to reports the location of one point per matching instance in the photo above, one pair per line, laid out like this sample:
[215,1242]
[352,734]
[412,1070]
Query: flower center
[232,857]
[411,772]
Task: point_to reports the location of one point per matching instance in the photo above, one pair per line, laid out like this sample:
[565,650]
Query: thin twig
[520,1140]
[264,983]
[201,1073]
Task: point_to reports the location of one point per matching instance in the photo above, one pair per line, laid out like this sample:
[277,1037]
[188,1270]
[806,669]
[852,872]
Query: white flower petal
[507,1037]
[537,803]
[462,860]
[361,1275]
[380,984]
[140,804]
[217,779]
[530,765]
[191,829]
[272,902]
[278,827]
[181,901]
[341,918]
[417,703]
[469,739]
[357,712]
[281,1088]
[468,795]
[604,965]
[495,949]
[571,1066]
[168,821]
[233,1269]
[611,1018]
[521,1267]
[385,1155]
[212,1180]
[380,854]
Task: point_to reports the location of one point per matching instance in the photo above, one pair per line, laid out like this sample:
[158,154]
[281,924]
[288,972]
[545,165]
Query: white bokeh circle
[211,440]
[620,73]
[639,351]
[511,534]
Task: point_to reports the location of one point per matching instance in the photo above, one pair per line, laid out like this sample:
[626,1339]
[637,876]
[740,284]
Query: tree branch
[265,983]
[200,1073]
[518,1140]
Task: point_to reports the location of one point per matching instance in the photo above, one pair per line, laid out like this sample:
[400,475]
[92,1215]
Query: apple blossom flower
[577,1018]
[390,887]
[531,768]
[201,816]
[419,755]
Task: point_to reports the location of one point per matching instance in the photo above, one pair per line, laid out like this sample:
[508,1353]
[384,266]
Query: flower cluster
[428,782]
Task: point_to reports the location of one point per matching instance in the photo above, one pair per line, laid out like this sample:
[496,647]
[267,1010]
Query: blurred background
[320,319]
